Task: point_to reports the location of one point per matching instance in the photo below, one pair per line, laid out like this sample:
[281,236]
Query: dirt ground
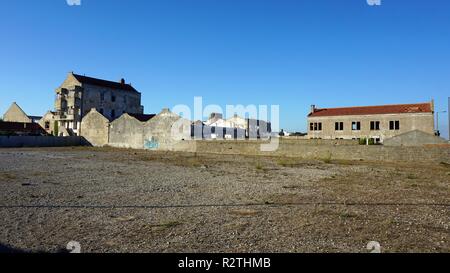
[137,201]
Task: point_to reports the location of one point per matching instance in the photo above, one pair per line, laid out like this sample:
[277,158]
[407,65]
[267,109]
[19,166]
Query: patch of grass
[164,226]
[244,212]
[445,164]
[327,159]
[8,175]
[345,215]
[288,162]
[259,166]
[411,176]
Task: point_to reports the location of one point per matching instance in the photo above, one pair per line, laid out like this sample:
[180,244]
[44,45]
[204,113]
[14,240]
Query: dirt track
[137,201]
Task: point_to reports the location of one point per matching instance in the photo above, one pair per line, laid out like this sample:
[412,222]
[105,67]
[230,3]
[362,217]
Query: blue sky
[291,53]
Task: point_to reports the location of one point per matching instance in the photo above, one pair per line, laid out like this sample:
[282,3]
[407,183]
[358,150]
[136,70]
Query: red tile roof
[374,110]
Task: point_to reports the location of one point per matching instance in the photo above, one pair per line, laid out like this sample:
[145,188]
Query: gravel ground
[136,201]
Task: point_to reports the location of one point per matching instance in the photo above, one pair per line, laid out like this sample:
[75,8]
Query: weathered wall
[16,114]
[324,151]
[126,132]
[40,141]
[125,101]
[95,128]
[414,138]
[165,132]
[48,123]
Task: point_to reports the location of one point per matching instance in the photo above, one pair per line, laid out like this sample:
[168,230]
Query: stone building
[370,122]
[166,131]
[49,123]
[16,114]
[78,94]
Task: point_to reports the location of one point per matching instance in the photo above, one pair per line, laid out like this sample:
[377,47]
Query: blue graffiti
[151,144]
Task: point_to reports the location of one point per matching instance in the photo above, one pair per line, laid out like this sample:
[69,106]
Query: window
[102,96]
[101,111]
[394,125]
[356,126]
[316,126]
[374,125]
[339,126]
[113,114]
[47,125]
[113,98]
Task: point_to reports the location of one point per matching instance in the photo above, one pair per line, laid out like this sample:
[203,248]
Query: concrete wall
[40,141]
[408,122]
[95,129]
[165,131]
[328,151]
[414,138]
[126,132]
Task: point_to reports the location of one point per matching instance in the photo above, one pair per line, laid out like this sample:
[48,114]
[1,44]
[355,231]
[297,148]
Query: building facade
[238,127]
[375,123]
[79,94]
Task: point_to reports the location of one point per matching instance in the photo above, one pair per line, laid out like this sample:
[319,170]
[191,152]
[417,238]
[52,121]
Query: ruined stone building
[78,94]
[370,122]
[165,131]
[16,114]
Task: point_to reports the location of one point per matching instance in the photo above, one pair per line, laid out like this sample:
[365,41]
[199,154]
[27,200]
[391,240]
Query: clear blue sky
[292,53]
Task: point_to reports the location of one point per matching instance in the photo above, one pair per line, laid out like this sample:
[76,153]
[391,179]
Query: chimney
[122,81]
[313,109]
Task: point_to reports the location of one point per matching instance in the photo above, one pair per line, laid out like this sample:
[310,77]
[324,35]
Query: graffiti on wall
[151,144]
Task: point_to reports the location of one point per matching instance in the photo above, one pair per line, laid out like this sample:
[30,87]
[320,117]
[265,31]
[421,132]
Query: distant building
[370,122]
[16,114]
[78,94]
[245,127]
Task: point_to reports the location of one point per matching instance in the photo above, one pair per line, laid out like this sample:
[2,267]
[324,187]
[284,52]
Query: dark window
[47,125]
[113,98]
[356,126]
[375,125]
[316,126]
[101,111]
[102,96]
[113,114]
[339,126]
[394,125]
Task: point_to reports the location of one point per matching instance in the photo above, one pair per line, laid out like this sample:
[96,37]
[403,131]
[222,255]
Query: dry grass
[244,212]
[8,176]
